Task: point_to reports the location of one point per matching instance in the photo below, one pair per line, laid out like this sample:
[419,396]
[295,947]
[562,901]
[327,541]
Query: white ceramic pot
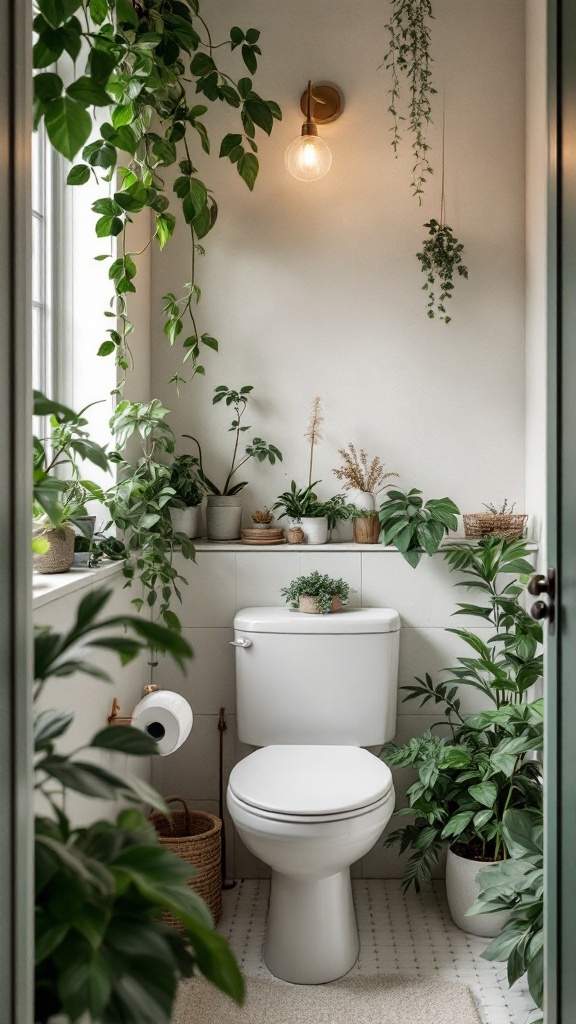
[361,499]
[315,529]
[223,517]
[185,520]
[463,890]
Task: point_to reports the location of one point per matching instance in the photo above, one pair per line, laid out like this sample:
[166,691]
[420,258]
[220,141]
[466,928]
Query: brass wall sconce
[308,158]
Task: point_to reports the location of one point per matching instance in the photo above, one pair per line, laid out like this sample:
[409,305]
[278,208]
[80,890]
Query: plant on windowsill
[145,66]
[224,508]
[60,496]
[102,950]
[317,594]
[185,505]
[466,783]
[138,505]
[414,527]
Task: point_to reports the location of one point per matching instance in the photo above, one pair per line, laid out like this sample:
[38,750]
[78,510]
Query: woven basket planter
[485,524]
[194,836]
[310,604]
[60,555]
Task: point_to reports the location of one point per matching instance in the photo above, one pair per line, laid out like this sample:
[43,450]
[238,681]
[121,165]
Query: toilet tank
[316,678]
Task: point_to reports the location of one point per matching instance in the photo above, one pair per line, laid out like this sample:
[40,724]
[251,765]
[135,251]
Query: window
[43,363]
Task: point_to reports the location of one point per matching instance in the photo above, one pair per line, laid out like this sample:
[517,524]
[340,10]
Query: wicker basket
[486,524]
[195,837]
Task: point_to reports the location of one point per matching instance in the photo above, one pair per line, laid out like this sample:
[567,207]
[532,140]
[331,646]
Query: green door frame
[560,995]
[16,890]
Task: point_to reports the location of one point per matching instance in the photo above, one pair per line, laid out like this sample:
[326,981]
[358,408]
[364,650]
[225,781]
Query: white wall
[536,258]
[314,288]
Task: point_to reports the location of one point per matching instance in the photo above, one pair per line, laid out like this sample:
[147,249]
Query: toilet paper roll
[166,717]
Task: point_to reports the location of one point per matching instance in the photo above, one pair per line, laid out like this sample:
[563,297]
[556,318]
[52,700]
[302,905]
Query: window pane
[37,259]
[38,374]
[37,173]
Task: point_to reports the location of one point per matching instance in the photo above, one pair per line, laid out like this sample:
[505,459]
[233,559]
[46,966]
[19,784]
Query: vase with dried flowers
[360,477]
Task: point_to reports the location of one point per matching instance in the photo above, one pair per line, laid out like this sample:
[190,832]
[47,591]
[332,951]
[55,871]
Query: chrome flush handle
[242,641]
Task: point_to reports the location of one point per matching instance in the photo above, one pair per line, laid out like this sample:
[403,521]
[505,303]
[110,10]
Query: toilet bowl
[309,812]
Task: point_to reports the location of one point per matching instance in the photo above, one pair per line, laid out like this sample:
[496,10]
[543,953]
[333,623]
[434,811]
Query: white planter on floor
[463,890]
[223,517]
[315,529]
[185,520]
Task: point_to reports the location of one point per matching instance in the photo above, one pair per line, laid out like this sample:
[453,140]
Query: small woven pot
[194,836]
[310,605]
[486,524]
[60,555]
[295,535]
[223,517]
[367,530]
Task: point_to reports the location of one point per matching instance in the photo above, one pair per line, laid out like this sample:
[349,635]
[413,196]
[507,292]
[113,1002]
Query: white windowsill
[47,587]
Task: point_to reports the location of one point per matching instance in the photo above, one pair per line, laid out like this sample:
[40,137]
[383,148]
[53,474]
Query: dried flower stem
[313,433]
[357,472]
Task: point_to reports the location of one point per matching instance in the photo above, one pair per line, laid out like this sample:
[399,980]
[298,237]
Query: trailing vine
[440,258]
[140,61]
[409,57]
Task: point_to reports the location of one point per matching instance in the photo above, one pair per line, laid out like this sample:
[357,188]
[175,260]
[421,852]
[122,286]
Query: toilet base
[311,930]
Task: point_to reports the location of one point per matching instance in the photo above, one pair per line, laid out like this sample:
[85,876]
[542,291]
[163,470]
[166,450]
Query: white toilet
[312,690]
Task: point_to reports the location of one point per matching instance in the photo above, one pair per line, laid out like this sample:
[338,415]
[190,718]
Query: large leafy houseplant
[102,950]
[148,66]
[138,505]
[415,527]
[466,783]
[258,449]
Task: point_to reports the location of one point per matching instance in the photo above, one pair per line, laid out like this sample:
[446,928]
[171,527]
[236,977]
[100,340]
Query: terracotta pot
[367,531]
[223,517]
[310,605]
[60,556]
[462,891]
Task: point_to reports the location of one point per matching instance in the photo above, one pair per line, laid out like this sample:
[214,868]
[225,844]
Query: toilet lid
[310,780]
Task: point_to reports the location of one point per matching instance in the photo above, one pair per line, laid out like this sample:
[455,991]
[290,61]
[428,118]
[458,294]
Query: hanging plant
[409,58]
[441,255]
[146,65]
[441,259]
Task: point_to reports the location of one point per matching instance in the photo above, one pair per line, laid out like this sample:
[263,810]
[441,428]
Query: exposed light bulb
[308,158]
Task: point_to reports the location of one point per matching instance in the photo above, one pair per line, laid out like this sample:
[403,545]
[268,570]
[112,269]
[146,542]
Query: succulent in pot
[317,594]
[185,505]
[224,507]
[262,517]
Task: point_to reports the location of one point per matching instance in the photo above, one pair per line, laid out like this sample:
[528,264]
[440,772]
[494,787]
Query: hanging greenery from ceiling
[149,65]
[408,58]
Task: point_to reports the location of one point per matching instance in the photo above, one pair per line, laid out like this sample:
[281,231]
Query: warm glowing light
[308,158]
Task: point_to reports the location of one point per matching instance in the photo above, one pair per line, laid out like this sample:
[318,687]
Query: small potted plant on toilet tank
[317,594]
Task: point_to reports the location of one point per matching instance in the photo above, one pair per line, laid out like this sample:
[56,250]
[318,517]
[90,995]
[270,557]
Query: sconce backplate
[330,106]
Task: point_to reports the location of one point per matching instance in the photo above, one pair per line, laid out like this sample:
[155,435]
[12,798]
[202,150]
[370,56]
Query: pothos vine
[142,60]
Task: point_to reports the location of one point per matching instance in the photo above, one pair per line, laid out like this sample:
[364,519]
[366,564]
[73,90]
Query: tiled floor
[410,935]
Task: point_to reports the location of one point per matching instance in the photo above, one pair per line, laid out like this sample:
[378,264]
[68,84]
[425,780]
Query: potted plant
[301,506]
[466,783]
[495,522]
[414,527]
[360,478]
[184,507]
[59,510]
[100,889]
[365,526]
[317,594]
[262,517]
[516,887]
[224,508]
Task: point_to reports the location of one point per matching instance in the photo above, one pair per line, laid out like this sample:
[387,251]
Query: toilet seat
[310,783]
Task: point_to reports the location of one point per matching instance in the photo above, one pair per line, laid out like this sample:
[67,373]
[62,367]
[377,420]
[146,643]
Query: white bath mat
[356,999]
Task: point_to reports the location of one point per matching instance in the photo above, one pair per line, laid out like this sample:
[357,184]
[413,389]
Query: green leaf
[165,226]
[88,92]
[101,64]
[249,58]
[57,11]
[78,175]
[48,725]
[248,169]
[125,739]
[47,86]
[485,793]
[260,113]
[98,10]
[68,126]
[229,142]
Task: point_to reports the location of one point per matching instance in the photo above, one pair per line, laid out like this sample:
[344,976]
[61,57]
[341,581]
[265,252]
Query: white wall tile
[209,599]
[424,596]
[208,682]
[193,769]
[260,576]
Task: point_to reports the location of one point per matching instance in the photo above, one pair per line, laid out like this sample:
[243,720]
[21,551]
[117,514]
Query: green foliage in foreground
[414,527]
[102,949]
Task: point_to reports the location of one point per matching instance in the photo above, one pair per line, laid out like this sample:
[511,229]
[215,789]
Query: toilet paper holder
[115,719]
